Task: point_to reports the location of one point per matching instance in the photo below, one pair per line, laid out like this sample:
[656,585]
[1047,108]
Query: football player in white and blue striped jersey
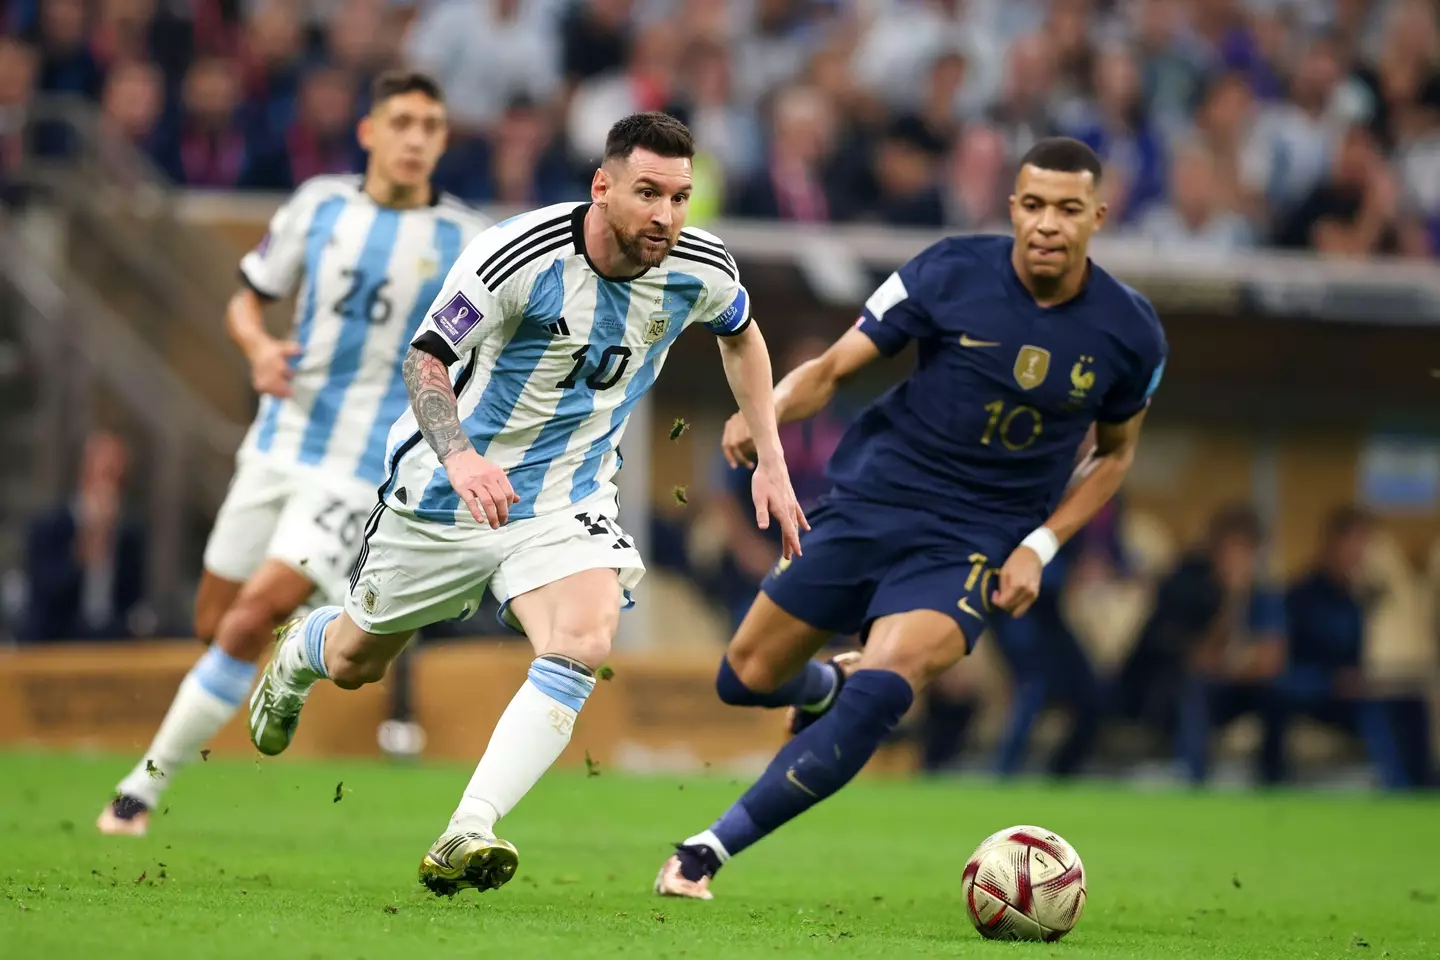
[549,329]
[368,255]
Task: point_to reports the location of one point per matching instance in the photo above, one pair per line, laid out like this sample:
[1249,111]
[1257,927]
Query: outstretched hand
[775,497]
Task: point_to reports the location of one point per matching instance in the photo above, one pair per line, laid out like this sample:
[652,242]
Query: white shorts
[413,573]
[302,518]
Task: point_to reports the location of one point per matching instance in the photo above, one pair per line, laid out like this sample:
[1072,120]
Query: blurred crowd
[1224,123]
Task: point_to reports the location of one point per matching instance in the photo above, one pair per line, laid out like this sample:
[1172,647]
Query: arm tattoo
[433,400]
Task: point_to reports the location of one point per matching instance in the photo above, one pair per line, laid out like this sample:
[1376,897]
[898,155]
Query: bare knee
[921,646]
[754,667]
[587,643]
[771,646]
[247,628]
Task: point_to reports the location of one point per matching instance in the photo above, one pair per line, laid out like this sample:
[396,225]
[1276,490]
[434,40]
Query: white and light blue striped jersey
[367,275]
[550,356]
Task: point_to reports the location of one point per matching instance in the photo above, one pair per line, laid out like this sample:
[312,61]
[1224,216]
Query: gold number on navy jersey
[1016,428]
[980,571]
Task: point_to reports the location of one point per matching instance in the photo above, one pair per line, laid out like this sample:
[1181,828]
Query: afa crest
[1032,365]
[656,326]
[369,598]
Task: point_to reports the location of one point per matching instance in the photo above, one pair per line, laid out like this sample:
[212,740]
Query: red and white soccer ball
[1024,883]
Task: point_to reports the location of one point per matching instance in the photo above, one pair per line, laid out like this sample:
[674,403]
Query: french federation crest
[656,326]
[1031,366]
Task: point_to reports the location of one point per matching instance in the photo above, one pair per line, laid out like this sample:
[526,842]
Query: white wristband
[1044,542]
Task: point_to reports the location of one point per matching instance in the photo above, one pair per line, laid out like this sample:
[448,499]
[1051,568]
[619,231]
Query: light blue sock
[223,676]
[313,638]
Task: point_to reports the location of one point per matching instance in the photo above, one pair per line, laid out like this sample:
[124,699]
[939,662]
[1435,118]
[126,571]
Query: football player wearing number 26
[550,328]
[950,493]
[367,254]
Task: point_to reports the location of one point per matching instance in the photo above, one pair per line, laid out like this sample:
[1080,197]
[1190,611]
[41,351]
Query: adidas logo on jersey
[558,327]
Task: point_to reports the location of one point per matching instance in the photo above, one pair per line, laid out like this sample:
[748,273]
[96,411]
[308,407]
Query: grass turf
[260,860]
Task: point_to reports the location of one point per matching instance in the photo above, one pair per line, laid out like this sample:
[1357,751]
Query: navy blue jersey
[985,429]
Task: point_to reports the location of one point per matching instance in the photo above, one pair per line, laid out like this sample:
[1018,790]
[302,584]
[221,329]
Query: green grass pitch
[258,860]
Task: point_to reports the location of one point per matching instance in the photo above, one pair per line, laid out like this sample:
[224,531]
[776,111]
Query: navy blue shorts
[863,561]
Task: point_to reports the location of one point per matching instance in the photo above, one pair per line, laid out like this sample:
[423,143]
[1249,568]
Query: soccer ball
[1024,883]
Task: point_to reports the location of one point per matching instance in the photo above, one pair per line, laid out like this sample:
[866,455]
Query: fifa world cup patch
[456,318]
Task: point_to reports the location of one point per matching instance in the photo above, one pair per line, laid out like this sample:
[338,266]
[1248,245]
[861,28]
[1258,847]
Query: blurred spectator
[1354,211]
[1171,71]
[209,147]
[485,53]
[129,31]
[1067,27]
[1024,112]
[647,82]
[84,560]
[909,40]
[1204,605]
[1232,631]
[1194,221]
[772,49]
[1324,678]
[796,180]
[1117,128]
[975,191]
[130,113]
[17,83]
[595,39]
[940,107]
[271,63]
[907,168]
[360,41]
[521,166]
[66,64]
[808,444]
[1225,123]
[320,140]
[724,129]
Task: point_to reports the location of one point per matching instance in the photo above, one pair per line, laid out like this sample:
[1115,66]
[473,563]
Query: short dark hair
[657,132]
[1063,155]
[1346,520]
[1237,520]
[394,83]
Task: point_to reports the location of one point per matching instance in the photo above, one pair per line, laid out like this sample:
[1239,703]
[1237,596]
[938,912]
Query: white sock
[532,733]
[301,657]
[707,838]
[208,697]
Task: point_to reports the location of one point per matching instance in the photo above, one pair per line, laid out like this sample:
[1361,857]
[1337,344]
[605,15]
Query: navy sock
[820,760]
[811,686]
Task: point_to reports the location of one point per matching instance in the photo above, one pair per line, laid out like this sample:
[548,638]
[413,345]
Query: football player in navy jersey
[950,493]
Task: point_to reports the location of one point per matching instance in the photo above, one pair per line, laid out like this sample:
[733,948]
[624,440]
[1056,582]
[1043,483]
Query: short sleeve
[734,311]
[273,268]
[460,316]
[1141,377]
[894,315]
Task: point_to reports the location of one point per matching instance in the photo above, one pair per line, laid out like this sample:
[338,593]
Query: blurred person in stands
[1212,627]
[208,147]
[648,81]
[271,64]
[908,42]
[485,53]
[130,31]
[372,252]
[1355,211]
[941,107]
[907,169]
[1325,679]
[521,165]
[796,181]
[808,444]
[130,114]
[1025,110]
[1172,69]
[1194,220]
[726,130]
[321,139]
[975,170]
[772,47]
[355,41]
[85,560]
[1116,127]
[66,63]
[595,38]
[1225,124]
[18,65]
[1067,25]
[1232,659]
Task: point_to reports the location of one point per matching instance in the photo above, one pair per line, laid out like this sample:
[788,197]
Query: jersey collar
[577,236]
